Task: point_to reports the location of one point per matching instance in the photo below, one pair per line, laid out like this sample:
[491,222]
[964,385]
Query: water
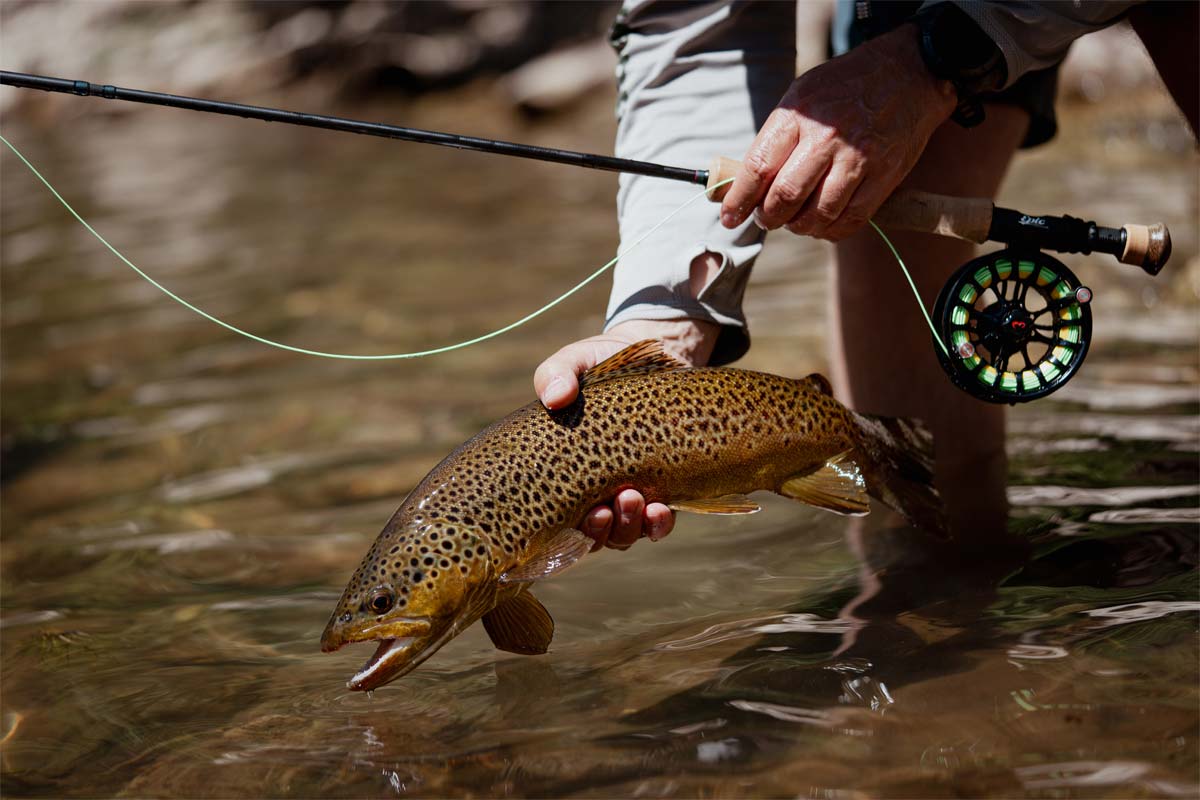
[182,508]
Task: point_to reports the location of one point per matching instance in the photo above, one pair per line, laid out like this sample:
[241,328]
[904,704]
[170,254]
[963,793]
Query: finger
[627,528]
[763,160]
[866,200]
[659,521]
[829,201]
[556,379]
[598,525]
[795,184]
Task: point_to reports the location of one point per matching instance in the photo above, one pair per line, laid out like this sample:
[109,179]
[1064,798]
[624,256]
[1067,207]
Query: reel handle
[976,219]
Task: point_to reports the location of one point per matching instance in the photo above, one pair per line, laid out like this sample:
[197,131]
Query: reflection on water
[182,508]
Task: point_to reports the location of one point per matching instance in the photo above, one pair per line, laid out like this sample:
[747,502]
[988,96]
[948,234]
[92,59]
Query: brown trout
[502,511]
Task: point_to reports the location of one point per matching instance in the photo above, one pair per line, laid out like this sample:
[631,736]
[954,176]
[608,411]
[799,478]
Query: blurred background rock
[545,54]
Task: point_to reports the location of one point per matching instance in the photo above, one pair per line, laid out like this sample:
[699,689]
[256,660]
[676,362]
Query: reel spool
[1017,324]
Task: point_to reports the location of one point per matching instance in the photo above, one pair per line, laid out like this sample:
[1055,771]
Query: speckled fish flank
[501,512]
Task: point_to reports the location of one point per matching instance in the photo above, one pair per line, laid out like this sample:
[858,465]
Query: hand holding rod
[977,220]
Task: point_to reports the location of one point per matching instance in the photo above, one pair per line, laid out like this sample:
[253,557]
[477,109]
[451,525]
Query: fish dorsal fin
[726,504]
[550,556]
[838,486]
[520,625]
[639,358]
[818,383]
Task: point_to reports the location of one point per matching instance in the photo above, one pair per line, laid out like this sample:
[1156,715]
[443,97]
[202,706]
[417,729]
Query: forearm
[695,82]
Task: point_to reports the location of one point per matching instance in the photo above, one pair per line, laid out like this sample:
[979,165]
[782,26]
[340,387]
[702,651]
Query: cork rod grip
[1147,246]
[958,217]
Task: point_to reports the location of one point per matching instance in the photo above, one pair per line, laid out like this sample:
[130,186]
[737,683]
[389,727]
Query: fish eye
[382,601]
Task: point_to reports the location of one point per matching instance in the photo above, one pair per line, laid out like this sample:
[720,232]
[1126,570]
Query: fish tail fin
[900,469]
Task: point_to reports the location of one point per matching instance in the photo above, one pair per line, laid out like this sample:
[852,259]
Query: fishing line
[445,348]
[348,356]
[916,294]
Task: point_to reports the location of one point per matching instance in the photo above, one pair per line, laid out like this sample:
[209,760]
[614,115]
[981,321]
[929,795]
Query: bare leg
[883,357]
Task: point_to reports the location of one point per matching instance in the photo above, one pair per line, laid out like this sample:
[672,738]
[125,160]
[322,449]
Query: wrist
[954,48]
[689,339]
[937,96]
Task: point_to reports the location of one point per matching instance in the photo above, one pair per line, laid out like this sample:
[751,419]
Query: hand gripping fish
[502,511]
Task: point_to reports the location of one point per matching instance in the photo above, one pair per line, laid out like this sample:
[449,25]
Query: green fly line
[420,353]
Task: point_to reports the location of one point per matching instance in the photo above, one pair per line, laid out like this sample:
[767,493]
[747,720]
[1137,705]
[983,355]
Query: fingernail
[757,217]
[728,219]
[555,392]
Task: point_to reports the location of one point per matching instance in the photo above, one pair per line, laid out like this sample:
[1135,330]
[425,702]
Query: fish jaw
[403,644]
[395,658]
[389,662]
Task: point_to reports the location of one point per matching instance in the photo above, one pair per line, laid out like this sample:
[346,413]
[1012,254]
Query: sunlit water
[182,507]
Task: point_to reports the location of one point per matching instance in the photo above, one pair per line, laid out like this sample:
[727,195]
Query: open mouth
[382,667]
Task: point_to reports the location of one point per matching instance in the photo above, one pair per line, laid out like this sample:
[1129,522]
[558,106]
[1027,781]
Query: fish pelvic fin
[520,625]
[639,358]
[550,556]
[899,469]
[837,485]
[726,504]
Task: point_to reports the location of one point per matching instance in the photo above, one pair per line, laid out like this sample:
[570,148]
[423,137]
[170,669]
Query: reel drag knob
[1017,325]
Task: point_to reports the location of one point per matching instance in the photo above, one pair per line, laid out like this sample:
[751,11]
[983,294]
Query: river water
[182,507]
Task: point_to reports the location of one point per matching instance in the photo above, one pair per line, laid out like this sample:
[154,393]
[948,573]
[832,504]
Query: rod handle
[960,217]
[1147,246]
[722,169]
[968,218]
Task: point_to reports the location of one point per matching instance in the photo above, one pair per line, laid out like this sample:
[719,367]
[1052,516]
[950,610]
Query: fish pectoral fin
[638,359]
[838,486]
[726,504]
[520,625]
[552,556]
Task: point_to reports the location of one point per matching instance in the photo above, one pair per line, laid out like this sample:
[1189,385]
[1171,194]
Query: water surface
[182,507]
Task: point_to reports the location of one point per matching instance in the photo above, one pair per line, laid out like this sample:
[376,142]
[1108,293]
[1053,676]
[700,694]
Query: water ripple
[1141,612]
[755,626]
[1140,516]
[1110,496]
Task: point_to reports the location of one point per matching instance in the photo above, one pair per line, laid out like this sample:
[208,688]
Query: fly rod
[24,80]
[1011,326]
[966,218]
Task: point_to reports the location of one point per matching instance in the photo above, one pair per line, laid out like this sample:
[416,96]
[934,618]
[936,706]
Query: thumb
[556,381]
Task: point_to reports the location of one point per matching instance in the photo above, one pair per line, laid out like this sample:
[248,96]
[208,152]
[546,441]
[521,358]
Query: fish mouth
[387,664]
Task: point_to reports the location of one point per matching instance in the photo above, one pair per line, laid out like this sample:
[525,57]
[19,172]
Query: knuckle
[824,214]
[757,166]
[786,192]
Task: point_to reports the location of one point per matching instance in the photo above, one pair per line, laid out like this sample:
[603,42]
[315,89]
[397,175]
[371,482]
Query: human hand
[557,383]
[841,140]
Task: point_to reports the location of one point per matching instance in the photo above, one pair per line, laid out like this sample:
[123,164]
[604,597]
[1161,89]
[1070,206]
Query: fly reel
[1016,324]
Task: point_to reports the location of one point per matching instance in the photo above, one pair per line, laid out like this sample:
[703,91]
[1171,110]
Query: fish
[503,510]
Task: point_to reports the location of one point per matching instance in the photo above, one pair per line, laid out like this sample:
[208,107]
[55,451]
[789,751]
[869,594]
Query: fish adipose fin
[727,504]
[900,469]
[818,383]
[838,485]
[520,625]
[550,557]
[639,358]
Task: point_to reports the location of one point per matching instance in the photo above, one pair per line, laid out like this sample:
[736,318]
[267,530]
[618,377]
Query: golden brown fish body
[502,510]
